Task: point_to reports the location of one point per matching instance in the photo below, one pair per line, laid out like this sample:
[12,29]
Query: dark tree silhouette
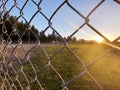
[13,30]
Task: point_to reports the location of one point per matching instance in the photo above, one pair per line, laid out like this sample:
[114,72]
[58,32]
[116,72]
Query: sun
[99,39]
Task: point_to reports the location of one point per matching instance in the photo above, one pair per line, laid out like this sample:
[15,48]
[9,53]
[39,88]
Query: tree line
[13,30]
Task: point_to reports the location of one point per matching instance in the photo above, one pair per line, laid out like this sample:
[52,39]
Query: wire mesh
[18,68]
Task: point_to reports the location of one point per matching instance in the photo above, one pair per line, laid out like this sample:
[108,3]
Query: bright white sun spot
[99,39]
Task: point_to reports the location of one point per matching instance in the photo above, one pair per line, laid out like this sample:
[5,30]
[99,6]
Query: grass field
[106,70]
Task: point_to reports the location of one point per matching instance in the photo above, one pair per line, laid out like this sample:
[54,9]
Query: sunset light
[60,44]
[99,39]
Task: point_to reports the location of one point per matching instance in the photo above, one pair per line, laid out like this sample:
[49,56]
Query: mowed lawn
[105,70]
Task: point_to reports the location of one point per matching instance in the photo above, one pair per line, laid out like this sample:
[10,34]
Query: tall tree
[43,38]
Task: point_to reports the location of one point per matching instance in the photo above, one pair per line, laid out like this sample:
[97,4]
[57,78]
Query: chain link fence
[19,67]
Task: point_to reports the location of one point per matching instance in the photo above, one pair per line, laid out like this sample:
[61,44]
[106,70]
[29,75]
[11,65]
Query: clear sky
[106,18]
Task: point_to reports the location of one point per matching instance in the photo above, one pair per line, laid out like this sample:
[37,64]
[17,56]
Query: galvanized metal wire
[12,60]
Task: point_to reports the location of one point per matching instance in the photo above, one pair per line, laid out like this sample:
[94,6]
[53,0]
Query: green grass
[106,70]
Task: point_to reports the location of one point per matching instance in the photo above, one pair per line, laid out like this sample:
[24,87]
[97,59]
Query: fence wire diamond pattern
[19,71]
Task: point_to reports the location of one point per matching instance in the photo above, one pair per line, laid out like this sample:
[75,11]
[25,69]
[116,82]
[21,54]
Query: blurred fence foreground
[20,41]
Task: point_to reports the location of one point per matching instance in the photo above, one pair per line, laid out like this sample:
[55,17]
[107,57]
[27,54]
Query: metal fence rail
[13,57]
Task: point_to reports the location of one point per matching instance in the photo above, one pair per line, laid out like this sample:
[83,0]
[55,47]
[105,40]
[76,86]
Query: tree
[1,25]
[43,38]
[81,41]
[33,34]
[7,26]
[6,16]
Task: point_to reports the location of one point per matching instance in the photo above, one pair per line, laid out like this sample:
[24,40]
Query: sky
[105,18]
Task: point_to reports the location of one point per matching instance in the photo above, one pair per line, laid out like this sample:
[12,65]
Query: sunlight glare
[99,39]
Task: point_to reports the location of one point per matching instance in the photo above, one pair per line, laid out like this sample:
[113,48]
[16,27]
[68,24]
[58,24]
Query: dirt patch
[12,54]
[19,51]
